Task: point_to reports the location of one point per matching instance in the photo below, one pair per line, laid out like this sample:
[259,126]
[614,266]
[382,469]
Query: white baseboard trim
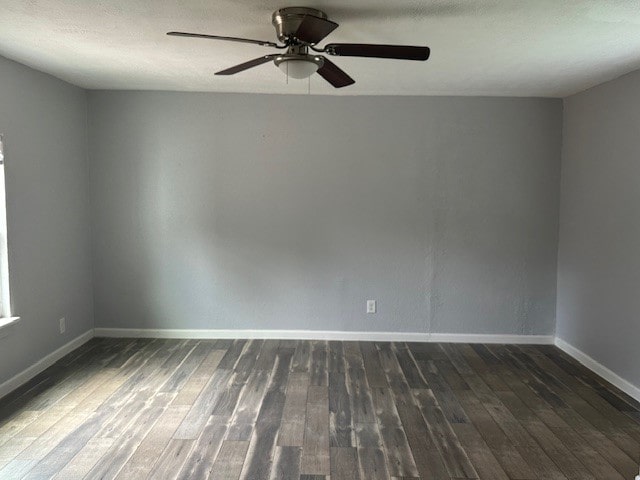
[483,338]
[262,334]
[324,335]
[610,376]
[44,363]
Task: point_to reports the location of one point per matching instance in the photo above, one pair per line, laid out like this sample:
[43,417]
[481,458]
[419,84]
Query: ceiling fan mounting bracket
[287,21]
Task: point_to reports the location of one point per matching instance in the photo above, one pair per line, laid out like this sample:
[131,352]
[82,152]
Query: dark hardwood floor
[254,409]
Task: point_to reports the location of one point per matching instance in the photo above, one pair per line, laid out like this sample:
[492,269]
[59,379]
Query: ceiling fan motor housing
[287,20]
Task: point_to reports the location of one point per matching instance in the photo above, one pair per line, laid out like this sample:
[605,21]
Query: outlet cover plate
[371,306]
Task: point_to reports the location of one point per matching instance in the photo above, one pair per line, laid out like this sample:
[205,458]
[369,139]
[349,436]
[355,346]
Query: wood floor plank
[428,459]
[512,463]
[80,466]
[134,419]
[409,368]
[344,463]
[501,415]
[200,377]
[200,460]
[340,424]
[17,423]
[44,421]
[318,368]
[171,459]
[145,456]
[118,455]
[455,458]
[248,407]
[310,410]
[368,435]
[555,449]
[12,449]
[267,355]
[444,392]
[286,464]
[89,389]
[497,427]
[200,411]
[169,359]
[372,464]
[335,359]
[184,371]
[72,387]
[232,354]
[615,397]
[452,353]
[43,387]
[229,462]
[62,382]
[359,392]
[574,414]
[226,402]
[263,440]
[41,447]
[586,454]
[373,369]
[619,459]
[302,357]
[400,459]
[58,445]
[482,457]
[588,402]
[318,394]
[452,377]
[542,406]
[291,431]
[315,451]
[540,463]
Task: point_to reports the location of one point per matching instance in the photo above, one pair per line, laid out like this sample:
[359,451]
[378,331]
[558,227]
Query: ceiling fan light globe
[298,68]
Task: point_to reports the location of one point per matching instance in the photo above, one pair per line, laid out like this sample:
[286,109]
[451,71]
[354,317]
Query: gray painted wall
[44,124]
[289,212]
[599,259]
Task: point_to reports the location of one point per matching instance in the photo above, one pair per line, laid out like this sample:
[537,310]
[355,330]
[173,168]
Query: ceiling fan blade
[217,37]
[334,75]
[400,52]
[247,65]
[313,29]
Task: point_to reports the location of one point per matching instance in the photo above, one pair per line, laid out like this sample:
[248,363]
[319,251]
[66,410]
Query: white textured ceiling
[501,47]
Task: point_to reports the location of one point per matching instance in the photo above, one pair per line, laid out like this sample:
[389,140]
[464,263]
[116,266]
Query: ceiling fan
[300,29]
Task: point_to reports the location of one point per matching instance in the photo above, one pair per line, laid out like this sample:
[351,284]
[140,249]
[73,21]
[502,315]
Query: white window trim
[6,319]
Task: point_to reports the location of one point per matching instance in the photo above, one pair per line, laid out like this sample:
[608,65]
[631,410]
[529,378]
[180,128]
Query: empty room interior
[356,240]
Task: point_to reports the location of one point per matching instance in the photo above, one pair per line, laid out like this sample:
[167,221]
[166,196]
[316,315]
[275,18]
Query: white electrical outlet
[63,325]
[371,306]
